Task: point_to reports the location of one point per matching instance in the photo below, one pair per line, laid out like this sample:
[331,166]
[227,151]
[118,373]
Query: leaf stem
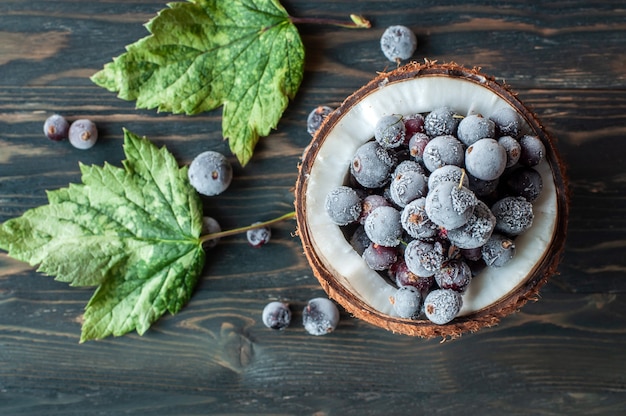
[358,22]
[240,230]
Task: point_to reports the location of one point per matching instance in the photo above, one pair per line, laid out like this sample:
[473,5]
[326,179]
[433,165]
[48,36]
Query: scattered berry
[407,302]
[320,316]
[56,128]
[210,226]
[316,117]
[83,134]
[210,173]
[276,315]
[259,236]
[398,43]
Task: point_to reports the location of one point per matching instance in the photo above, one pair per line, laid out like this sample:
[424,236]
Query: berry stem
[358,22]
[239,230]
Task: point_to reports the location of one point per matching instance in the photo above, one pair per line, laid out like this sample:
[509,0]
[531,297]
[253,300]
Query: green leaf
[133,231]
[246,55]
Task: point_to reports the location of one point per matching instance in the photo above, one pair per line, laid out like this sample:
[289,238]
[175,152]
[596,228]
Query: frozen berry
[371,165]
[486,159]
[533,150]
[423,257]
[320,316]
[390,131]
[316,117]
[413,123]
[448,173]
[56,128]
[83,134]
[379,257]
[476,231]
[441,121]
[408,186]
[443,150]
[507,122]
[383,226]
[343,205]
[402,276]
[210,226]
[442,305]
[449,205]
[407,302]
[454,275]
[417,144]
[398,43]
[498,250]
[259,236]
[525,182]
[513,150]
[475,127]
[359,240]
[415,221]
[514,215]
[210,173]
[276,315]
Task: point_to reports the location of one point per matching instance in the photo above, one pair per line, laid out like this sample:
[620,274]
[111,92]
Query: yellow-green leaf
[246,55]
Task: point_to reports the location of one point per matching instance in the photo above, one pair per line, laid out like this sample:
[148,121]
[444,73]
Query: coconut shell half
[495,292]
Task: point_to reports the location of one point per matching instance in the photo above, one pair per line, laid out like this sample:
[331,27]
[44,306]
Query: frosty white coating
[356,127]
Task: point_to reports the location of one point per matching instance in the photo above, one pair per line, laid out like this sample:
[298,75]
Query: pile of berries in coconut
[434,198]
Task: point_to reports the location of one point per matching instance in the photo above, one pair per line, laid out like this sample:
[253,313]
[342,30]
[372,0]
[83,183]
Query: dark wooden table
[563,355]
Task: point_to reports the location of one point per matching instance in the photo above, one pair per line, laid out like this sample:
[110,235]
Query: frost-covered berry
[379,257]
[398,43]
[513,150]
[417,144]
[447,173]
[476,231]
[441,121]
[320,316]
[210,226]
[343,205]
[383,226]
[371,165]
[525,182]
[407,302]
[424,257]
[449,205]
[390,131]
[408,186]
[443,150]
[533,151]
[316,117]
[486,159]
[56,127]
[507,122]
[401,274]
[481,187]
[514,215]
[454,275]
[259,236]
[276,315]
[359,240]
[415,221]
[475,127]
[413,123]
[442,305]
[498,250]
[83,134]
[210,173]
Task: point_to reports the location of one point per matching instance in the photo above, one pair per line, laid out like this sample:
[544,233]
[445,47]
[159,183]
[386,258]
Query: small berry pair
[82,133]
[319,317]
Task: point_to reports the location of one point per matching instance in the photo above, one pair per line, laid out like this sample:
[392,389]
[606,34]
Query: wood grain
[562,355]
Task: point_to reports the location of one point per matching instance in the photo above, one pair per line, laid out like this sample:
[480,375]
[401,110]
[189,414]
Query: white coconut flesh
[356,127]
